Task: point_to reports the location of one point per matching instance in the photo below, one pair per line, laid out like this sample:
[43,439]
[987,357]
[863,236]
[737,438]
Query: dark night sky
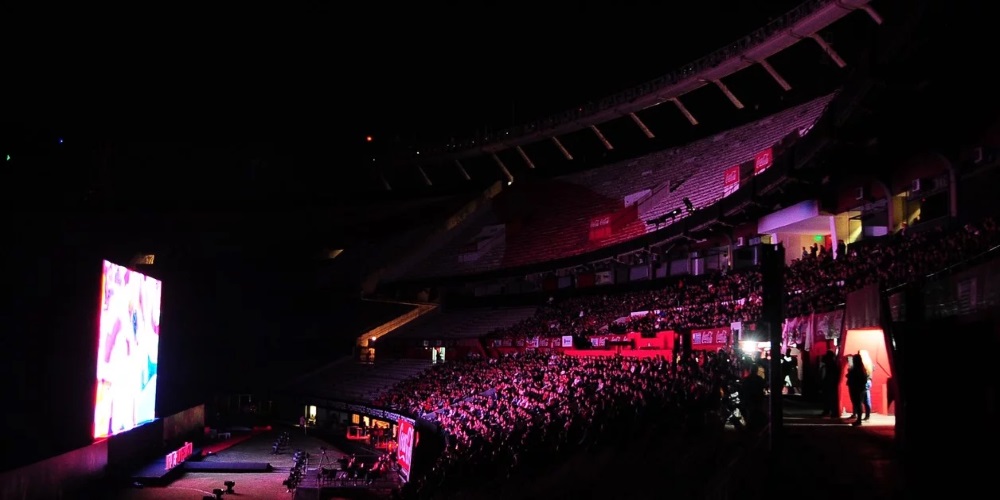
[331,75]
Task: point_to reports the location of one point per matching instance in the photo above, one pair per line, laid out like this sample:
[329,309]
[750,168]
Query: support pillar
[600,137]
[773,294]
[872,13]
[834,235]
[524,156]
[684,111]
[562,149]
[642,126]
[890,207]
[775,75]
[427,180]
[503,168]
[729,94]
[828,49]
[461,170]
[952,185]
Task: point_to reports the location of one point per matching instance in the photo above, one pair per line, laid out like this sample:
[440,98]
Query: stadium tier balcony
[481,406]
[814,284]
[583,212]
[708,159]
[670,168]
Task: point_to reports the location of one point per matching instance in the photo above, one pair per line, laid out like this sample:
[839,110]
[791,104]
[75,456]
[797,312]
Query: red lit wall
[873,341]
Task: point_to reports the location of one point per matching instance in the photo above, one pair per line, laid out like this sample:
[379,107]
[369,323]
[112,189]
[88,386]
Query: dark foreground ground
[825,458]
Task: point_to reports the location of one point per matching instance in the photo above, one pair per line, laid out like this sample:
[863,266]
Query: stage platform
[257,470]
[156,473]
[216,466]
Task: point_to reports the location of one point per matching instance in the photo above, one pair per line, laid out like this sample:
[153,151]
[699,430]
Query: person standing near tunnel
[857,382]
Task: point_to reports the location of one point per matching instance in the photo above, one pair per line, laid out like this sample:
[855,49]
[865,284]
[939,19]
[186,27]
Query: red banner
[763,161]
[731,180]
[663,340]
[406,435]
[710,338]
[600,228]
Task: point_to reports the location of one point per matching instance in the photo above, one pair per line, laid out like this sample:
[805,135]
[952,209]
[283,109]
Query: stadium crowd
[817,282]
[502,415]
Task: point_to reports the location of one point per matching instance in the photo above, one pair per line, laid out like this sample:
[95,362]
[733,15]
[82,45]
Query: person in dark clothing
[857,384]
[753,398]
[829,372]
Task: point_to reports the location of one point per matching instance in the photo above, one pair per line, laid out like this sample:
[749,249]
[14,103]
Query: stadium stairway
[396,323]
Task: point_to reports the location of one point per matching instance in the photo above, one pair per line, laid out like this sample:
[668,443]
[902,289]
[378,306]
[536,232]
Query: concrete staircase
[396,323]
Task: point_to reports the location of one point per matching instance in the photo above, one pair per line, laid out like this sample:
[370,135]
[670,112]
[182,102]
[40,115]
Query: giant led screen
[126,350]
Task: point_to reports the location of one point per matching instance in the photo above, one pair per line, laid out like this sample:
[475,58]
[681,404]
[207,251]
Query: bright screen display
[406,436]
[126,350]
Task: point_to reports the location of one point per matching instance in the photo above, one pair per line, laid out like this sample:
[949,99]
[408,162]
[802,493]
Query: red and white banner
[600,228]
[763,161]
[663,340]
[812,329]
[711,338]
[404,453]
[731,180]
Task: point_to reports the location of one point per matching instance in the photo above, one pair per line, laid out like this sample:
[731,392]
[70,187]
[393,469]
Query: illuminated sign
[178,457]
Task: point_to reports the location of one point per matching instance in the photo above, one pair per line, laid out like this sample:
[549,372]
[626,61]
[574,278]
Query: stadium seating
[676,166]
[445,261]
[351,381]
[471,323]
[559,225]
[560,212]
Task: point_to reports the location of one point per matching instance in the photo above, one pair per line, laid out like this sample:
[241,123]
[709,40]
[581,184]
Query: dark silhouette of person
[830,372]
[753,398]
[857,383]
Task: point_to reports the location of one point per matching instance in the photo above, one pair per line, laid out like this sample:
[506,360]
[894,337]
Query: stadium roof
[280,108]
